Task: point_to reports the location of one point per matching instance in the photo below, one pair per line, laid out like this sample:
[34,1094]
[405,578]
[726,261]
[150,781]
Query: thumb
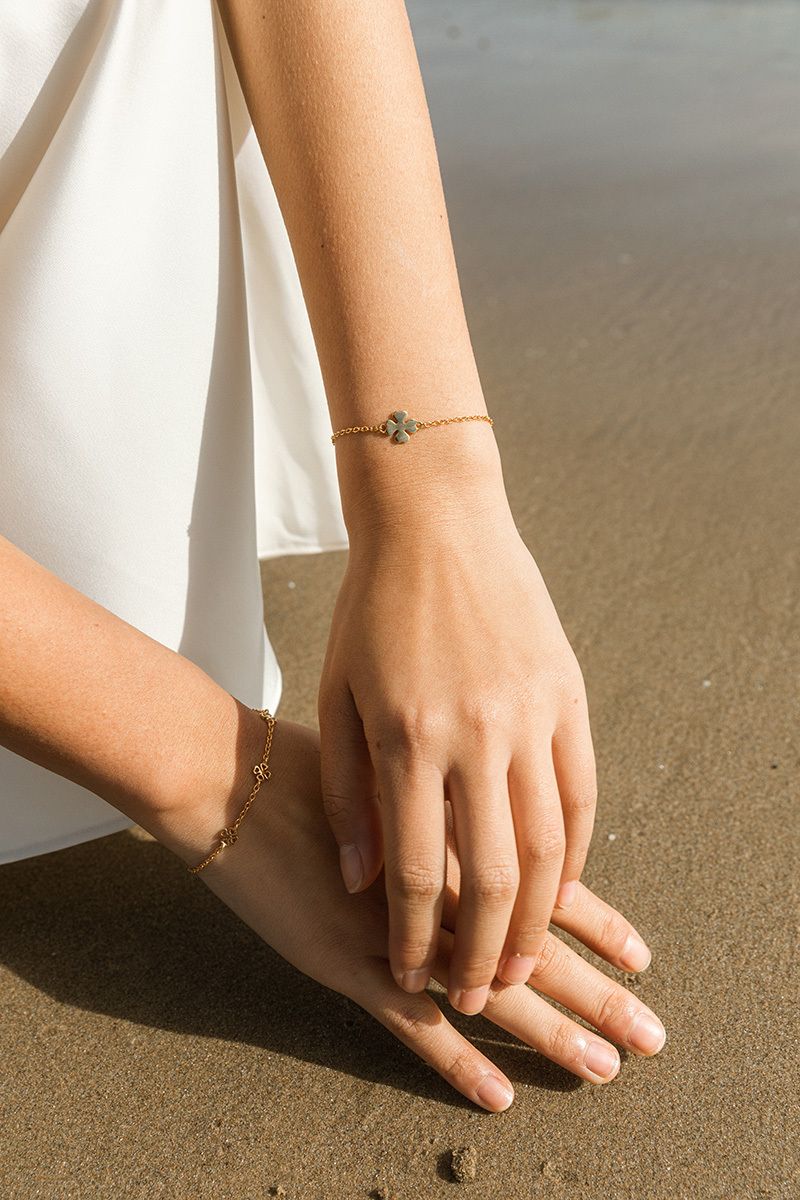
[349,789]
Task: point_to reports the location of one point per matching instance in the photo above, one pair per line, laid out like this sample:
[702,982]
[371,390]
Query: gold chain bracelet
[399,427]
[261,770]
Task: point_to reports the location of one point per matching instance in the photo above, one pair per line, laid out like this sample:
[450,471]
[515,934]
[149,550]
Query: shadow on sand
[115,927]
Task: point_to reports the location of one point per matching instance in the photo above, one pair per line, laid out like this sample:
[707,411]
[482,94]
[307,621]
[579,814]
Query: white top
[151,324]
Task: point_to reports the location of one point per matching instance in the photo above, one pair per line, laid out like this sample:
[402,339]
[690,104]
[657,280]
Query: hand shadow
[116,927]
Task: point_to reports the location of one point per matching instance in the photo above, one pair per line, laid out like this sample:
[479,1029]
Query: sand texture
[623,181]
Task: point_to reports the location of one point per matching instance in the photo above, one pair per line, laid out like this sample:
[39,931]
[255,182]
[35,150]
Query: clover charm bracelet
[400,426]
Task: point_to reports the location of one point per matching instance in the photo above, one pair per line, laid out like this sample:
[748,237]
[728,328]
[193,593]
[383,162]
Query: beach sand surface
[623,181]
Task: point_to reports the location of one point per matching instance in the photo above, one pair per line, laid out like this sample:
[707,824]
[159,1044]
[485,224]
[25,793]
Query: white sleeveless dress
[152,336]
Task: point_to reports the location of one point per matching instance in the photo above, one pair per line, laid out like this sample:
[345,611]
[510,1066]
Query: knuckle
[408,732]
[417,881]
[498,991]
[570,677]
[560,1042]
[411,953]
[611,1010]
[546,849]
[495,884]
[613,931]
[583,801]
[481,721]
[458,1066]
[337,807]
[543,960]
[409,1024]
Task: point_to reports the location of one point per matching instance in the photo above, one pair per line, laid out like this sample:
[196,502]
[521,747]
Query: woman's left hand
[282,878]
[448,675]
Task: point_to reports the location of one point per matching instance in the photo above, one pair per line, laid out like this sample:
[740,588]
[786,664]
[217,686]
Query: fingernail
[635,955]
[566,894]
[647,1034]
[415,981]
[470,1001]
[494,1094]
[517,969]
[352,867]
[601,1060]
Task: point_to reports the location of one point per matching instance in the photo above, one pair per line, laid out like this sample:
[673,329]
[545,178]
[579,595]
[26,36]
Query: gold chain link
[452,421]
[230,833]
[360,429]
[420,425]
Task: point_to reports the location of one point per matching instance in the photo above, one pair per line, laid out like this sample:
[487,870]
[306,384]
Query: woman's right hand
[282,878]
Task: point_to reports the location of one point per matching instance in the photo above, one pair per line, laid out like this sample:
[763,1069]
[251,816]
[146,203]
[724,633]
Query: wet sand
[623,182]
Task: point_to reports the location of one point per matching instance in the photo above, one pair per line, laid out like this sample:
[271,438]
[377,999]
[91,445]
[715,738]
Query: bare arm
[88,696]
[336,98]
[447,670]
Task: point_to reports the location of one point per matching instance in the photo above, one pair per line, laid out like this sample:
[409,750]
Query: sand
[623,186]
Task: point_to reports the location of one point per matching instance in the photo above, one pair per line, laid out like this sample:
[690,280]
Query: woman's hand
[282,878]
[448,675]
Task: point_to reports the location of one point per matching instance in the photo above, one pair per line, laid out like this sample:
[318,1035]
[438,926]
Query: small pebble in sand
[464,1163]
[612,837]
[279,1190]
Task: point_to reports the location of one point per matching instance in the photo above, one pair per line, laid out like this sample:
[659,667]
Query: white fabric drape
[151,322]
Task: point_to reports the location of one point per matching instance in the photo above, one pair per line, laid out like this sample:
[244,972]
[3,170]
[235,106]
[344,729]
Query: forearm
[86,695]
[337,102]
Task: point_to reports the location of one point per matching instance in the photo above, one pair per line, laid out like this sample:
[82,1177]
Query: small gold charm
[228,837]
[401,426]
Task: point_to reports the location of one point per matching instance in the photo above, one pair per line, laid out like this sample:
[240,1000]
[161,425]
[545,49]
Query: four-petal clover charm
[228,837]
[400,427]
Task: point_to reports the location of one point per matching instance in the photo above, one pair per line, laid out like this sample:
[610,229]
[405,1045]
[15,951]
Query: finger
[576,776]
[539,828]
[422,1026]
[349,790]
[452,872]
[412,807]
[484,834]
[530,1018]
[602,929]
[565,977]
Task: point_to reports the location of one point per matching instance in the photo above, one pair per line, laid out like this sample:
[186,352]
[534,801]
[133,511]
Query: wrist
[204,783]
[450,475]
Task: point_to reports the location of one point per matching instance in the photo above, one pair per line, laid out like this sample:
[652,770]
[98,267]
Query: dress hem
[301,548]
